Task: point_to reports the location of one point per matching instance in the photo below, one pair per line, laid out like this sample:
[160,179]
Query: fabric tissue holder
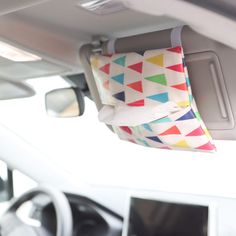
[148,99]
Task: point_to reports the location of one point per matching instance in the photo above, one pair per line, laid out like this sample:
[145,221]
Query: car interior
[45,38]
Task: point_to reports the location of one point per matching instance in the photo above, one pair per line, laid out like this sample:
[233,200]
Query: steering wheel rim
[59,201]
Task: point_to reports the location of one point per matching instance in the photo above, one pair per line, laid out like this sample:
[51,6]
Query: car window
[89,151]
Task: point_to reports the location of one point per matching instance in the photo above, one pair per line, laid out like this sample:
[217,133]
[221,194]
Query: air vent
[102,7]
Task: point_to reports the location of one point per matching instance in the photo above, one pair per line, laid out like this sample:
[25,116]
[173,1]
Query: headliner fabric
[152,93]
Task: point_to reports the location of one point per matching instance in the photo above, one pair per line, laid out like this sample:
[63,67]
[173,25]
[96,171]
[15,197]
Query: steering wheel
[11,225]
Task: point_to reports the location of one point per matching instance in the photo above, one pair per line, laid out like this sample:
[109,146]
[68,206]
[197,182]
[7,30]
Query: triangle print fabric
[156,78]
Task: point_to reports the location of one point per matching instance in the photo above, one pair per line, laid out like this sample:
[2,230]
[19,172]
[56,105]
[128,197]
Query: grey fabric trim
[176,39]
[111,46]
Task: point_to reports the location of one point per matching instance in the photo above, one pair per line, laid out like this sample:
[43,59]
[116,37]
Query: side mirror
[65,102]
[6,183]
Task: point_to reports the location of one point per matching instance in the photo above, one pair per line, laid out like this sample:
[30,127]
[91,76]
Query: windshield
[88,150]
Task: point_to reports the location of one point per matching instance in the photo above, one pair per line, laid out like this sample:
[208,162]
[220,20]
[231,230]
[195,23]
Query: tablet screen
[157,218]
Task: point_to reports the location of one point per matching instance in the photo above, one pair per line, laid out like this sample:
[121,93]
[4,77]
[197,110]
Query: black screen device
[159,218]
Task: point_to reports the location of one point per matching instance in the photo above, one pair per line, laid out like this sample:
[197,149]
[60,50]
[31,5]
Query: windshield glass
[88,150]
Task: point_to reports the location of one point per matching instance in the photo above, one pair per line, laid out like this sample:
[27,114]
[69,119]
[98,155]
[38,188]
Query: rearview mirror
[65,102]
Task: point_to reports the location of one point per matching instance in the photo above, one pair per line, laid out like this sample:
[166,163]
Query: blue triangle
[120,61]
[161,97]
[188,82]
[189,115]
[162,120]
[119,78]
[191,98]
[155,139]
[147,127]
[120,96]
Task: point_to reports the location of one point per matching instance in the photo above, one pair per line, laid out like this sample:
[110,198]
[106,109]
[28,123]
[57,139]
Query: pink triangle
[136,86]
[138,103]
[172,130]
[177,49]
[197,132]
[207,147]
[106,84]
[131,140]
[178,68]
[182,86]
[106,68]
[137,67]
[126,129]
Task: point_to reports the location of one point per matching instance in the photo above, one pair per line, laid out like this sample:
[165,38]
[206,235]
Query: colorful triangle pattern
[182,144]
[171,131]
[138,67]
[136,86]
[156,78]
[120,96]
[177,68]
[126,129]
[138,103]
[197,132]
[161,97]
[147,127]
[119,78]
[207,147]
[157,60]
[120,61]
[155,139]
[189,115]
[162,120]
[106,84]
[106,68]
[177,49]
[182,86]
[160,79]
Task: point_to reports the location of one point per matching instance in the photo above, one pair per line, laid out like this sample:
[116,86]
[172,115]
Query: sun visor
[211,67]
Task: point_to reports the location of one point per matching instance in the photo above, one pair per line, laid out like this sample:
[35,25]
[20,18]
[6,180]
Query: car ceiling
[68,18]
[55,30]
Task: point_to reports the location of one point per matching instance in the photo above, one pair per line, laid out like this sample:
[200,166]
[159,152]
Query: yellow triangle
[207,133]
[157,60]
[183,103]
[182,144]
[94,62]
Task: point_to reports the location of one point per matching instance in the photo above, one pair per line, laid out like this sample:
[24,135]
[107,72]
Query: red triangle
[106,84]
[172,130]
[106,68]
[136,86]
[126,129]
[182,86]
[137,67]
[207,147]
[138,103]
[178,67]
[197,132]
[177,49]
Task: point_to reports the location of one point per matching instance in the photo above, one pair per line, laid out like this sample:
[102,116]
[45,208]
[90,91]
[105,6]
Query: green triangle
[160,79]
[197,114]
[163,120]
[120,61]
